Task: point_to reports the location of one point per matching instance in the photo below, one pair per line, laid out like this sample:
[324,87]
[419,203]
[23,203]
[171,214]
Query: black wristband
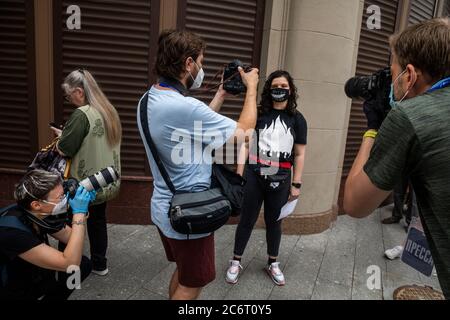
[296,185]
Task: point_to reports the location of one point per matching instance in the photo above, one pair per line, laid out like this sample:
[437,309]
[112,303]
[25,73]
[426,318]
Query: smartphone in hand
[57,130]
[54,125]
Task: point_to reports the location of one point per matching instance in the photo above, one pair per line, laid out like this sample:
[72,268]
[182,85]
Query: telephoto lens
[100,179]
[95,182]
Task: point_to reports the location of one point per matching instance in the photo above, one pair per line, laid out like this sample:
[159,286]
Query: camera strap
[143,104]
[175,84]
[207,87]
[220,72]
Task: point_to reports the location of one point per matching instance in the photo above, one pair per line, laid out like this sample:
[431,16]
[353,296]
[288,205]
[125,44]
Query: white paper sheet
[287,209]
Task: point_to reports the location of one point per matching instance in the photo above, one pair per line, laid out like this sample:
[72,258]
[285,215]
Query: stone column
[321,50]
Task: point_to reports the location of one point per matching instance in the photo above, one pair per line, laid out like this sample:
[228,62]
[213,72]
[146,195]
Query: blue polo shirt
[185,131]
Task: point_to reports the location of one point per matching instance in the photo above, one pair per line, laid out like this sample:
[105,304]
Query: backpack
[9,222]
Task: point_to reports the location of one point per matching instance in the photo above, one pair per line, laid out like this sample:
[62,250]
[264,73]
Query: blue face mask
[392,101]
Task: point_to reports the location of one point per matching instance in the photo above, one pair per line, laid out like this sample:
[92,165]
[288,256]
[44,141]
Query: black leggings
[401,197]
[98,236]
[257,190]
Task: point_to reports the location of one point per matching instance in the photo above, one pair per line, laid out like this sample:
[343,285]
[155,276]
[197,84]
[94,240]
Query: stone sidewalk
[331,265]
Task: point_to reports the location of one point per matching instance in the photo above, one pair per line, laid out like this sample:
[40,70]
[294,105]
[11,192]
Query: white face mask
[60,207]
[199,79]
[392,101]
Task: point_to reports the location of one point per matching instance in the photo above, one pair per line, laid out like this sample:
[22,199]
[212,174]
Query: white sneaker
[275,274]
[394,253]
[233,271]
[100,272]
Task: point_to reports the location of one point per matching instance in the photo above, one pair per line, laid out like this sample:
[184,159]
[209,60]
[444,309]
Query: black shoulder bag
[191,212]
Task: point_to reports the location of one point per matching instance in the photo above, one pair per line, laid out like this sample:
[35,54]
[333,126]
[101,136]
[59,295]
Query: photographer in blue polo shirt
[185,131]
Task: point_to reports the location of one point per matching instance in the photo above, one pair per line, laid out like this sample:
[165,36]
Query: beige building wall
[317,42]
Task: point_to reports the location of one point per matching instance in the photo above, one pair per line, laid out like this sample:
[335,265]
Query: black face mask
[50,224]
[279,94]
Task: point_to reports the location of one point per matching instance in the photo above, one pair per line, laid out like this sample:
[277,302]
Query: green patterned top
[75,130]
[84,139]
[414,141]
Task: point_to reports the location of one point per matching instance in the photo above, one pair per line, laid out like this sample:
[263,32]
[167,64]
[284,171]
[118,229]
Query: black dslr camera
[95,182]
[374,87]
[232,78]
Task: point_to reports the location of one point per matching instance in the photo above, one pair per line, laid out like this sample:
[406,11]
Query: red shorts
[195,259]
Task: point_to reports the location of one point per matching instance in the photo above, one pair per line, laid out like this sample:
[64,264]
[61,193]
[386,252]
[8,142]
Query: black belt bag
[199,212]
[281,176]
[192,212]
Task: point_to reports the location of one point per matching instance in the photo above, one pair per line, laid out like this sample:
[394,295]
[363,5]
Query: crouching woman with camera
[28,264]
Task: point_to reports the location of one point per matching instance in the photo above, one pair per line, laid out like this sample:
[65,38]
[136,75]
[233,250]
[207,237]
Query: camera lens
[359,87]
[70,186]
[101,179]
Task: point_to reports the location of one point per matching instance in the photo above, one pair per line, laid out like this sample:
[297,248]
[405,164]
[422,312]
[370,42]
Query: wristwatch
[297,185]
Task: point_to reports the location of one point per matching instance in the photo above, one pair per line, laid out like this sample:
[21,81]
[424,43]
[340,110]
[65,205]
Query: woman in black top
[276,157]
[28,264]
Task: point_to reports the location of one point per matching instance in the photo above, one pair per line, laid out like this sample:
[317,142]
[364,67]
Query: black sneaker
[391,220]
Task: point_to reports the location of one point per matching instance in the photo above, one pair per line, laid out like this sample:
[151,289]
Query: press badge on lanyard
[417,253]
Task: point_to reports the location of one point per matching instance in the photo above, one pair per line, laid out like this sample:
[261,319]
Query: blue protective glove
[93,195]
[81,200]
